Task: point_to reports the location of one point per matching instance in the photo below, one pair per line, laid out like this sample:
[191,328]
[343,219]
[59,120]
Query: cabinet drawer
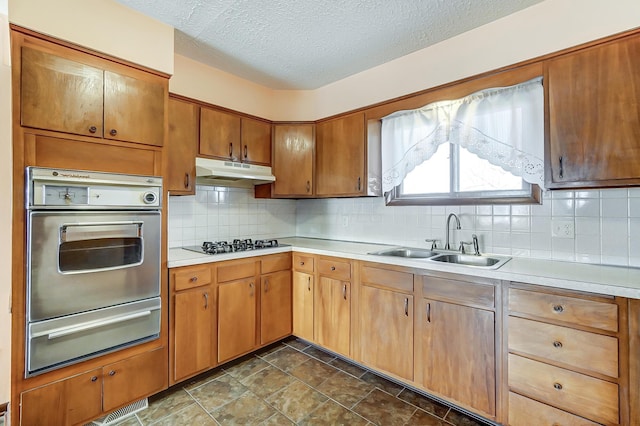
[566,309]
[337,269]
[303,263]
[235,270]
[577,393]
[191,277]
[473,294]
[524,412]
[394,280]
[575,348]
[276,262]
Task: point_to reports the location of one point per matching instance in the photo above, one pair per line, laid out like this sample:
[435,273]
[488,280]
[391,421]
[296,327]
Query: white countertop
[609,280]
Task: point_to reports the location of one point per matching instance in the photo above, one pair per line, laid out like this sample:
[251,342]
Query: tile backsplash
[603,221]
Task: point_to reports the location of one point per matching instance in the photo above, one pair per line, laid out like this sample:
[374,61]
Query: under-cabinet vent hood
[231,173]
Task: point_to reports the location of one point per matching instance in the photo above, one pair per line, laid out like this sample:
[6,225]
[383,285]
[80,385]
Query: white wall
[102,25]
[5,211]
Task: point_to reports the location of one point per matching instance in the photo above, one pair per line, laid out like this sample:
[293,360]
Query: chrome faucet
[447,246]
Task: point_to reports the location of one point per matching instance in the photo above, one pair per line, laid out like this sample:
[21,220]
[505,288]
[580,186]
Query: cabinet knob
[113,132]
[193,279]
[301,263]
[558,308]
[557,386]
[557,344]
[112,372]
[93,129]
[94,378]
[333,268]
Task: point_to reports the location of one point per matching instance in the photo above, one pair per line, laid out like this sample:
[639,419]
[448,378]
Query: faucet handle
[433,242]
[476,246]
[464,243]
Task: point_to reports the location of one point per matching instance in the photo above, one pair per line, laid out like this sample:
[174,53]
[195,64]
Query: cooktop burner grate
[237,245]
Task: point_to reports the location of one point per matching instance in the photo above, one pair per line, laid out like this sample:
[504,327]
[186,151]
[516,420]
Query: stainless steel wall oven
[93,264]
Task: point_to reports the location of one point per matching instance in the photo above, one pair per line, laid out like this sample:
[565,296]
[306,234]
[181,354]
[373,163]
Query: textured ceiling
[306,44]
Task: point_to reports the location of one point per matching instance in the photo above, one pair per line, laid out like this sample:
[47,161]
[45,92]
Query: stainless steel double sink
[478,261]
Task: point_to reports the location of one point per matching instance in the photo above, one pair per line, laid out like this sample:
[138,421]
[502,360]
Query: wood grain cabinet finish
[182,147]
[193,321]
[293,157]
[303,291]
[564,357]
[332,305]
[237,318]
[78,399]
[276,306]
[66,91]
[229,136]
[386,321]
[458,345]
[594,116]
[340,156]
[255,141]
[522,411]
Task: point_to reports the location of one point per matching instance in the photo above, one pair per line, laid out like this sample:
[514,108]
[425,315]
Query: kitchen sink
[492,262]
[407,252]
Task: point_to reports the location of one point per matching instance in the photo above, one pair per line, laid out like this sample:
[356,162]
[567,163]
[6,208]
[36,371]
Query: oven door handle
[66,331]
[66,229]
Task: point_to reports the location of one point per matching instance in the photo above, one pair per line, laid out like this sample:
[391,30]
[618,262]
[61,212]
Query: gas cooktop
[221,247]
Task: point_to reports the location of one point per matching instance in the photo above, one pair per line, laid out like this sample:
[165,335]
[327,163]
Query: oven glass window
[103,253]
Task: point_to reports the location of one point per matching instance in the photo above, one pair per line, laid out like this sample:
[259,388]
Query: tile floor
[294,383]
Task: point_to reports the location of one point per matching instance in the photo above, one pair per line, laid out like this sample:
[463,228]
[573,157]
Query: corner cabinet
[293,155]
[594,116]
[68,91]
[340,156]
[458,338]
[182,147]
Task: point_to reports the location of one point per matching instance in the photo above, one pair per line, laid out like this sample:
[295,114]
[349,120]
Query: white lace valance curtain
[503,125]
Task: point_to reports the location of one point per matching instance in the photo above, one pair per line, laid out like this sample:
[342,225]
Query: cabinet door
[386,330]
[459,354]
[340,157]
[193,333]
[256,141]
[182,147]
[594,115]
[332,314]
[219,134]
[236,318]
[135,107]
[67,402]
[134,378]
[275,306]
[60,94]
[303,305]
[293,147]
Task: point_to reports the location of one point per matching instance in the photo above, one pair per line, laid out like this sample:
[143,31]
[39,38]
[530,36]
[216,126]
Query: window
[483,148]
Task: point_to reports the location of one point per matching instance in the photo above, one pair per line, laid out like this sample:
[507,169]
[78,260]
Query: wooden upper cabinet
[594,116]
[60,94]
[68,91]
[219,134]
[293,149]
[182,147]
[134,107]
[340,156]
[256,141]
[229,136]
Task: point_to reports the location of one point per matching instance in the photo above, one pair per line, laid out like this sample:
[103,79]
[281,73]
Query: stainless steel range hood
[231,173]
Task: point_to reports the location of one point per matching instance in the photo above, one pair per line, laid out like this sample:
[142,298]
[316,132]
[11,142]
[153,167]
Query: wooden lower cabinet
[386,321]
[332,314]
[303,289]
[80,398]
[237,316]
[276,306]
[523,411]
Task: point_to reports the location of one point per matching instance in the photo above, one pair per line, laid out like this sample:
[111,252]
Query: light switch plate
[563,228]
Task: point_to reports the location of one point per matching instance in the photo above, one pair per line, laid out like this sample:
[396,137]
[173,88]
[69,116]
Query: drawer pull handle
[557,386]
[113,132]
[558,308]
[193,279]
[112,373]
[333,268]
[557,344]
[93,129]
[94,378]
[301,263]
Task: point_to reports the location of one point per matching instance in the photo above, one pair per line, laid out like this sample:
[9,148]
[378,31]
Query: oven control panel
[52,188]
